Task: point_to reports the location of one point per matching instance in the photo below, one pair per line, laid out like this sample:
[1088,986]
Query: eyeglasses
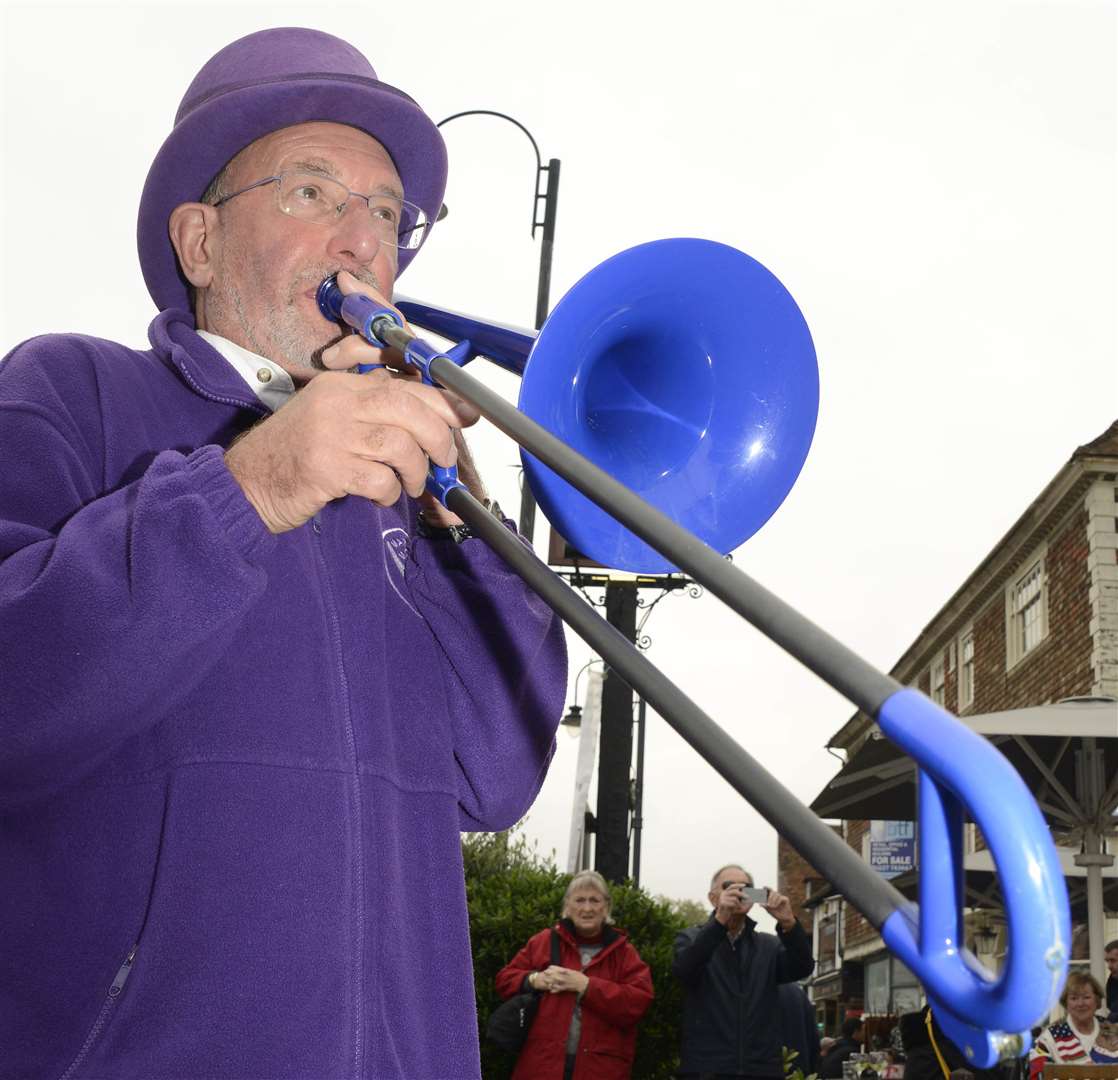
[318,199]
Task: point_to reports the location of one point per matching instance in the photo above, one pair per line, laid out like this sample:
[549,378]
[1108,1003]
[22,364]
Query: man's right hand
[730,904]
[343,434]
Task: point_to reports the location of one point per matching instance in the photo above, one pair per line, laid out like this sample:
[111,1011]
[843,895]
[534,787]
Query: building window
[906,994]
[937,681]
[1026,611]
[966,670]
[890,988]
[970,838]
[877,987]
[827,941]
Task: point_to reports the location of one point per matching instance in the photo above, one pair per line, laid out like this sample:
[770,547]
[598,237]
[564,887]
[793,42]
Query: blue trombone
[676,385]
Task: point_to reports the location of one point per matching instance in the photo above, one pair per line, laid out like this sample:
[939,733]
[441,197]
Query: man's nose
[356,235]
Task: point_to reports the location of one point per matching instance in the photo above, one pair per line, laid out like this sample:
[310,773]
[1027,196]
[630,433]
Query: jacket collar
[747,927]
[610,934]
[199,364]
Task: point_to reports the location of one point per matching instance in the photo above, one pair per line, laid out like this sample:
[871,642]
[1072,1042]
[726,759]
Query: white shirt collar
[268,381]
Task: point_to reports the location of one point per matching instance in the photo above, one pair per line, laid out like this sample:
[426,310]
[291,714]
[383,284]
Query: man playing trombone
[255,682]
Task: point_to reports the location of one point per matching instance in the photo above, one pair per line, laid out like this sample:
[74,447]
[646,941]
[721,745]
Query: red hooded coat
[619,992]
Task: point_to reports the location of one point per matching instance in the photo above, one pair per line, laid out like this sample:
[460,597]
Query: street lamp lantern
[985,940]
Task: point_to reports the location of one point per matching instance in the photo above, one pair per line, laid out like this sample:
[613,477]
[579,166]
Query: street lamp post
[638,795]
[547,177]
[615,800]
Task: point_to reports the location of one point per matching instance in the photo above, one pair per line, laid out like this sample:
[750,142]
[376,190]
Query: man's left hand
[354,349]
[434,513]
[780,908]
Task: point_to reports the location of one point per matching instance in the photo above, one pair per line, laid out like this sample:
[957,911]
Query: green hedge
[513,892]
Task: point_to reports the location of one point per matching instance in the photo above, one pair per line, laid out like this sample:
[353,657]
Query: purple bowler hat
[260,83]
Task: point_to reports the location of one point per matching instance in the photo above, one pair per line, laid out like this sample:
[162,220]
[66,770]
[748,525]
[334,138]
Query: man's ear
[194,229]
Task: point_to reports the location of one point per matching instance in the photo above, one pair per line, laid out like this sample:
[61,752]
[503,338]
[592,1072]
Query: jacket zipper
[358,863]
[102,1017]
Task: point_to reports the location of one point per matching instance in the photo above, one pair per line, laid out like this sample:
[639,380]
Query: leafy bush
[792,1071]
[691,911]
[513,892]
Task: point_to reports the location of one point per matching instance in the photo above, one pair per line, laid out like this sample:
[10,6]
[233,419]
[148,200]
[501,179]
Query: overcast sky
[933,182]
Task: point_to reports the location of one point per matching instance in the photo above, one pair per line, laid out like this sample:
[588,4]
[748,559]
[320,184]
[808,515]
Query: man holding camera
[730,971]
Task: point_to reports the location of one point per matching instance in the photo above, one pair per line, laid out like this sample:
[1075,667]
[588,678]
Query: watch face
[458,533]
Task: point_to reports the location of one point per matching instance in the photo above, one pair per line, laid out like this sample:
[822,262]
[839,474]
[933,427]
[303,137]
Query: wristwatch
[458,533]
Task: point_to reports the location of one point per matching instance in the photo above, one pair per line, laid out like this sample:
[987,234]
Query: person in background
[850,1042]
[255,680]
[586,1024]
[930,1055]
[798,1029]
[1110,954]
[1070,1041]
[730,973]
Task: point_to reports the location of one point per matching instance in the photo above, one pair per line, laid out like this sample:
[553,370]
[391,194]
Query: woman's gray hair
[593,879]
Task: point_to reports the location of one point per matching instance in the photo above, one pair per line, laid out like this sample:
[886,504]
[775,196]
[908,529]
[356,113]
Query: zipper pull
[122,974]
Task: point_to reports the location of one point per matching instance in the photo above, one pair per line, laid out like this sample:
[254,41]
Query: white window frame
[1016,619]
[960,681]
[937,681]
[831,907]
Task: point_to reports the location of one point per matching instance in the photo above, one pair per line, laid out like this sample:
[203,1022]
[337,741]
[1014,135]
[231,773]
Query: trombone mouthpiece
[330,298]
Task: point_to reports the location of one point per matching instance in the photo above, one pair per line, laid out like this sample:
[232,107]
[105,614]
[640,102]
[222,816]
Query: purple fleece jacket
[234,766]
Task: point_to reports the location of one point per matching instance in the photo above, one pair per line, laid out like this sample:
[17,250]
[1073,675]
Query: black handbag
[509,1022]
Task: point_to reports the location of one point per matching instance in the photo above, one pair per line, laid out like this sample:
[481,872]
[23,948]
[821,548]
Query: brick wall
[795,877]
[1060,666]
[856,929]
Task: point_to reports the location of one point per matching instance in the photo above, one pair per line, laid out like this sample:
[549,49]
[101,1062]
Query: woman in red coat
[586,1025]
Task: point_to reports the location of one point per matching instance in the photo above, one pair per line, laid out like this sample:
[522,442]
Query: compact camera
[750,892]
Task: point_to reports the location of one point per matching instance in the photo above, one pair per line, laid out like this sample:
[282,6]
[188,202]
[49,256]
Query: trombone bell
[685,370]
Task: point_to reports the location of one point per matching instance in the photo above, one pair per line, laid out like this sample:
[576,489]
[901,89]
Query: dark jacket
[730,1010]
[230,762]
[830,1068]
[1112,997]
[798,1029]
[618,995]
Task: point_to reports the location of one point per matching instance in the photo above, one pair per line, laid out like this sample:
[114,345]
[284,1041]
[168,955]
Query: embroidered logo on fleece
[396,547]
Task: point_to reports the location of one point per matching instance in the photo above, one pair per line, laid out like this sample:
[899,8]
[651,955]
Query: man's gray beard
[287,329]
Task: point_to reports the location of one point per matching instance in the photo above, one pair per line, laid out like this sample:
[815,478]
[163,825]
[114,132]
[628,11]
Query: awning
[981,889]
[1045,744]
